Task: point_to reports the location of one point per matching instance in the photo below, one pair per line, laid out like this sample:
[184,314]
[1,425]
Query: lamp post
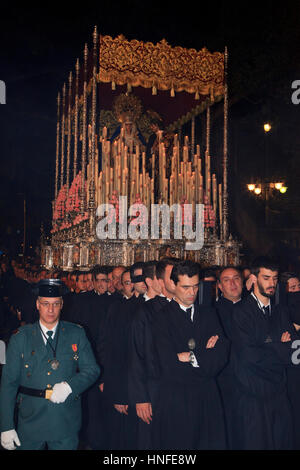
[266,190]
[267,129]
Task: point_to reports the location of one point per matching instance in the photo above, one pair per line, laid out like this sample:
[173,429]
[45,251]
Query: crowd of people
[183,357]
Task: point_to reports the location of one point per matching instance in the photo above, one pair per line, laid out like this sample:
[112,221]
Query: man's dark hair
[182,268]
[80,273]
[263,262]
[162,264]
[223,268]
[286,276]
[149,270]
[98,270]
[137,265]
[127,270]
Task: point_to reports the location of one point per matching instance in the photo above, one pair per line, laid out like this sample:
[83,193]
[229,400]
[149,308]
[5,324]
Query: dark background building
[40,45]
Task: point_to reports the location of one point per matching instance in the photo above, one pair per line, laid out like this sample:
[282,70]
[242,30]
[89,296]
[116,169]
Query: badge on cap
[74,347]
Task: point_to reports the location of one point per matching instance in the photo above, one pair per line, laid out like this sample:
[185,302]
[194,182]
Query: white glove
[60,392]
[9,439]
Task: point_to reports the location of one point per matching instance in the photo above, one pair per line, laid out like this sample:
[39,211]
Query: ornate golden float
[122,138]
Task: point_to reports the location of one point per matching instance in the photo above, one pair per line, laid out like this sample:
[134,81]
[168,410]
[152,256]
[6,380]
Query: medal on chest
[54,364]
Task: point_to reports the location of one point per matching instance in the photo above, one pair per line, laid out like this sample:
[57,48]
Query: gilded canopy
[161,66]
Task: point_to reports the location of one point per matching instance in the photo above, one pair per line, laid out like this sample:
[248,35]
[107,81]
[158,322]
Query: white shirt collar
[45,329]
[146,297]
[185,308]
[260,304]
[162,295]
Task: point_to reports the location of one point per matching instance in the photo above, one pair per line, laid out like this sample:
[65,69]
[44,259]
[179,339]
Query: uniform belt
[34,392]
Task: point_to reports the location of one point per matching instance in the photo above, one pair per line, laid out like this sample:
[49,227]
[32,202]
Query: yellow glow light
[251,187]
[257,191]
[278,185]
[267,127]
[283,189]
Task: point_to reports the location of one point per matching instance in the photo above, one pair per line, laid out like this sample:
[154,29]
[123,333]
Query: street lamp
[283,189]
[266,188]
[267,127]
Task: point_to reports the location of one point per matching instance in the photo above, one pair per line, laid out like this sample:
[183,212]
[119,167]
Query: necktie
[267,310]
[50,339]
[189,312]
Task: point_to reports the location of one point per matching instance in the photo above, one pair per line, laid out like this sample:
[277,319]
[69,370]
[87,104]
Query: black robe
[122,429]
[293,390]
[188,410]
[262,410]
[90,311]
[143,364]
[226,379]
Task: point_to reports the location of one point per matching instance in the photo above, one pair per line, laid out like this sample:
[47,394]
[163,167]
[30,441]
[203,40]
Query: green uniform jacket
[28,364]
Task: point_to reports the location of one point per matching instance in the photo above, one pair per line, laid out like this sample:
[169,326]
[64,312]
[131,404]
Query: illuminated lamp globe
[251,187]
[278,185]
[283,189]
[267,127]
[257,191]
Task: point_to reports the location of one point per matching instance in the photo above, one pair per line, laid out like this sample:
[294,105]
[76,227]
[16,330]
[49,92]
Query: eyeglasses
[47,304]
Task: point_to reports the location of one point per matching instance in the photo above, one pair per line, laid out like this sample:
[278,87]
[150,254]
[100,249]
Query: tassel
[129,89]
[154,90]
[113,85]
[172,92]
[197,97]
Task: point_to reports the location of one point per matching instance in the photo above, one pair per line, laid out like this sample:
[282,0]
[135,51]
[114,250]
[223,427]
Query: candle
[220,204]
[153,166]
[201,189]
[152,190]
[214,184]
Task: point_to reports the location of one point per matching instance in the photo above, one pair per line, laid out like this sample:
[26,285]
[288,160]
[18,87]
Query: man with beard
[191,351]
[230,284]
[261,335]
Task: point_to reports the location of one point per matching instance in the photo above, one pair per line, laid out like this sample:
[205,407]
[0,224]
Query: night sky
[40,45]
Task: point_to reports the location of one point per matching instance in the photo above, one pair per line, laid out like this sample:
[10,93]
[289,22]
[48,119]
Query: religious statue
[128,109]
[130,133]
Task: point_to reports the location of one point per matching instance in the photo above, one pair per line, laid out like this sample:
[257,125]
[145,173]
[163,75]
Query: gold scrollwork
[144,63]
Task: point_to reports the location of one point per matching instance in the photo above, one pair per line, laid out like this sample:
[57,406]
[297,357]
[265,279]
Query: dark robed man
[262,336]
[230,285]
[191,351]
